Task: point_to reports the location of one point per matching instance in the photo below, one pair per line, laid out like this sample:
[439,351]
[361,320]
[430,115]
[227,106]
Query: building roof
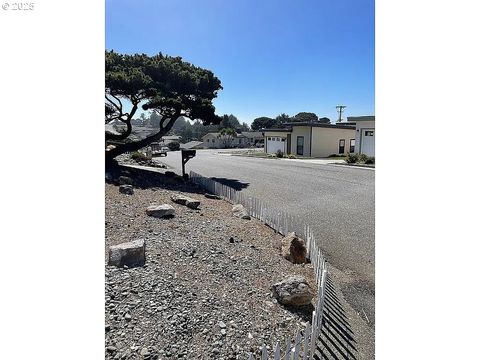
[171,137]
[191,144]
[313,124]
[329,126]
[278,130]
[361,118]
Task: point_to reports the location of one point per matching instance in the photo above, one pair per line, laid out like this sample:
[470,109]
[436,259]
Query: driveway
[338,202]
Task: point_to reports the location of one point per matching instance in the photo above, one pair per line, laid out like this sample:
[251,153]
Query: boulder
[127,254]
[160,211]
[185,200]
[293,249]
[239,211]
[126,189]
[293,291]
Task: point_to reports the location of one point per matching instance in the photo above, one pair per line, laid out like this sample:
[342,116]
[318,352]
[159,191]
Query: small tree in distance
[226,136]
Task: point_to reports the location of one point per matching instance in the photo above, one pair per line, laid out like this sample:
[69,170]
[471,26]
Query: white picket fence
[303,344]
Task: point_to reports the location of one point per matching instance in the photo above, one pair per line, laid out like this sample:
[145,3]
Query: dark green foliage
[168,86]
[362,158]
[283,118]
[226,136]
[138,156]
[279,154]
[264,123]
[352,158]
[174,146]
[370,160]
[324,120]
[305,117]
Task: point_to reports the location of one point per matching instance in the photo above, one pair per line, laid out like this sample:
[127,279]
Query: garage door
[275,143]
[368,142]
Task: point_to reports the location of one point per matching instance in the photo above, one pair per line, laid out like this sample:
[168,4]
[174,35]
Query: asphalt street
[337,201]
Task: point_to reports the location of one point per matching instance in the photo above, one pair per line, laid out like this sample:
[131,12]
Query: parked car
[158,150]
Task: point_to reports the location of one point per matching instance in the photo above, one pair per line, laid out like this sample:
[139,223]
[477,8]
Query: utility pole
[340,110]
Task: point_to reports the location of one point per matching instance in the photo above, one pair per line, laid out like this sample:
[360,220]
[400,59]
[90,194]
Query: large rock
[130,254]
[239,211]
[185,200]
[126,189]
[160,211]
[293,249]
[293,291]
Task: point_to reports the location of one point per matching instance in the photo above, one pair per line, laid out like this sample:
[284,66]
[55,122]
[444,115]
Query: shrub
[333,155]
[362,158]
[370,160]
[279,154]
[291,156]
[138,156]
[352,158]
[174,146]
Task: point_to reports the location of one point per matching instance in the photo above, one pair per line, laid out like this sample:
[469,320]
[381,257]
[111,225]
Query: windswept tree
[226,136]
[264,123]
[305,117]
[283,118]
[168,86]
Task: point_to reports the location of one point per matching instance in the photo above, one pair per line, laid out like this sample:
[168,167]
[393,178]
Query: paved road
[338,201]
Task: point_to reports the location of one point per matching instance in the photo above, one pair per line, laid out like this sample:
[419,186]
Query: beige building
[310,139]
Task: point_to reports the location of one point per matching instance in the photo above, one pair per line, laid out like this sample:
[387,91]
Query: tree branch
[137,145]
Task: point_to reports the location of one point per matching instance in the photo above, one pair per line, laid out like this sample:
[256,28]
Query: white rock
[160,211]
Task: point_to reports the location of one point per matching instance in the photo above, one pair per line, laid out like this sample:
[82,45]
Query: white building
[364,134]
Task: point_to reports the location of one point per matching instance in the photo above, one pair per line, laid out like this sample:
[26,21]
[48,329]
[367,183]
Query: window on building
[208,140]
[269,138]
[213,140]
[368,132]
[352,145]
[283,139]
[300,141]
[341,146]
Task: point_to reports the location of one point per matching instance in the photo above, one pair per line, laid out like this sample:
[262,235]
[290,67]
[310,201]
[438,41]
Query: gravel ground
[205,291]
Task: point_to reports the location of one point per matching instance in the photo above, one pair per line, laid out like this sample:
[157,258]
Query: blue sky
[272,56]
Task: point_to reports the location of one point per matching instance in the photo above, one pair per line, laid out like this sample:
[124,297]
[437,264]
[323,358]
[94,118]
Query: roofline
[330,126]
[277,130]
[361,118]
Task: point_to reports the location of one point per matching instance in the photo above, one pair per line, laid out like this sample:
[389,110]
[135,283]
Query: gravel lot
[205,291]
